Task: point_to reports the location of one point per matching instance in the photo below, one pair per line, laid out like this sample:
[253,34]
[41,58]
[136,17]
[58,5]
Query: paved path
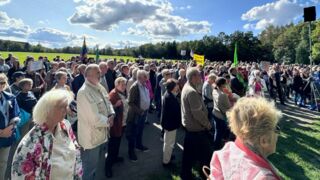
[149,164]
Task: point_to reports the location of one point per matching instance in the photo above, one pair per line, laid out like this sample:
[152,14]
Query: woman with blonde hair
[50,149]
[254,122]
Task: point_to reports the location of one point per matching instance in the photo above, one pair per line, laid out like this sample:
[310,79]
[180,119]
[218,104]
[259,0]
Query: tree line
[289,44]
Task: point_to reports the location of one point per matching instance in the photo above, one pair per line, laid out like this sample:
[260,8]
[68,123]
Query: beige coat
[94,110]
[193,110]
[221,104]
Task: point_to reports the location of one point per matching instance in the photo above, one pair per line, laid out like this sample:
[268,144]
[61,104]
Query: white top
[63,158]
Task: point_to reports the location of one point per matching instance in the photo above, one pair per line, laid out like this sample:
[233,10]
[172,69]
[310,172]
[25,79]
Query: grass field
[22,55]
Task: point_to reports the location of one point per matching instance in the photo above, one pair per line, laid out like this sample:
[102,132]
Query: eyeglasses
[2,83]
[277,130]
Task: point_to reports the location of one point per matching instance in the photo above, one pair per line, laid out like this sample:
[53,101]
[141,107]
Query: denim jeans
[90,159]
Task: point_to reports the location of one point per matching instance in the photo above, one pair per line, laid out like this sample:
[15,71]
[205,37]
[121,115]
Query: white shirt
[144,97]
[63,158]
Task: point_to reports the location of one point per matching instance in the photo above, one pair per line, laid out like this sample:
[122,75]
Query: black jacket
[26,101]
[236,86]
[77,83]
[171,113]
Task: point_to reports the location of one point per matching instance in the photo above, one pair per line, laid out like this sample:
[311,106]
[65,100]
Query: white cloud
[44,22]
[11,27]
[3,2]
[184,7]
[152,18]
[280,12]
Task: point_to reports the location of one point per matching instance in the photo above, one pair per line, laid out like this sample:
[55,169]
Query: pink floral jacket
[236,161]
[32,157]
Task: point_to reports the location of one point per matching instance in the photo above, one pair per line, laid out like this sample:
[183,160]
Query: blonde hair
[5,78]
[47,102]
[251,118]
[120,80]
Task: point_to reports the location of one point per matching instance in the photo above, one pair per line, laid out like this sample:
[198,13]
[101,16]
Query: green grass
[22,55]
[298,150]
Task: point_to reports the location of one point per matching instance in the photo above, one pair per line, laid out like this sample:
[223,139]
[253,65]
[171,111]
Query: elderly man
[95,117]
[197,144]
[103,69]
[139,103]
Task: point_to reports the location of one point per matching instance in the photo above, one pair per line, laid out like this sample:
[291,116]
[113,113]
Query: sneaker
[143,149]
[133,157]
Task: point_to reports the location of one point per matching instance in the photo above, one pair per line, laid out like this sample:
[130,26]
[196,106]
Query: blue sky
[119,23]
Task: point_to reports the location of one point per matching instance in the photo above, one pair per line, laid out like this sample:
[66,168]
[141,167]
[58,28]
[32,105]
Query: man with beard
[195,120]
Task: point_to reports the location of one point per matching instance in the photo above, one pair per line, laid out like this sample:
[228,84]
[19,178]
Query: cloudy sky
[119,23]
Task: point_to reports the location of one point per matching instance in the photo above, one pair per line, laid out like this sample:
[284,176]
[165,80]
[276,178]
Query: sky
[120,23]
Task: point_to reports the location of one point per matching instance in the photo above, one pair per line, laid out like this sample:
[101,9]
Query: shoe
[108,172]
[119,160]
[133,157]
[143,149]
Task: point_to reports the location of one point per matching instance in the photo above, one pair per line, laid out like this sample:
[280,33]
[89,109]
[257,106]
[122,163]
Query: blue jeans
[134,132]
[90,159]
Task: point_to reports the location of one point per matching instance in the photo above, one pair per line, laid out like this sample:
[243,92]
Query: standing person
[170,119]
[95,117]
[50,75]
[50,149]
[277,76]
[254,122]
[120,105]
[103,69]
[16,77]
[78,81]
[111,74]
[132,80]
[13,69]
[236,86]
[297,86]
[9,117]
[38,83]
[207,93]
[4,68]
[139,103]
[182,78]
[61,81]
[221,105]
[195,120]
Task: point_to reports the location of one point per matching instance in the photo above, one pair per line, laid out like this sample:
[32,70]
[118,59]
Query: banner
[198,58]
[235,56]
[183,52]
[35,65]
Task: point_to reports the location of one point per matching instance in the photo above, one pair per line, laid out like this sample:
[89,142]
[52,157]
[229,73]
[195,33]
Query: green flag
[235,57]
[97,54]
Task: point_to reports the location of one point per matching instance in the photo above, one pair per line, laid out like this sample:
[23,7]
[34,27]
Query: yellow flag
[199,59]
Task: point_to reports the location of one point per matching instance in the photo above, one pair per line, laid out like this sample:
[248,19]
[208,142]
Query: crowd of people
[71,111]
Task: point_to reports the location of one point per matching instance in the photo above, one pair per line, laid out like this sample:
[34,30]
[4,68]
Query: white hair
[141,73]
[47,102]
[191,72]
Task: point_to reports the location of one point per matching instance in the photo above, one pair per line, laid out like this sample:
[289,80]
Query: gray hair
[47,103]
[141,73]
[89,68]
[120,80]
[212,77]
[191,72]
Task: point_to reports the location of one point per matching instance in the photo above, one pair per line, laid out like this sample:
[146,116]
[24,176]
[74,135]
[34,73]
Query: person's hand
[118,103]
[110,121]
[6,132]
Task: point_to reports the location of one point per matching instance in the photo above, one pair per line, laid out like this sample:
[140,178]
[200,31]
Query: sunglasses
[3,83]
[277,130]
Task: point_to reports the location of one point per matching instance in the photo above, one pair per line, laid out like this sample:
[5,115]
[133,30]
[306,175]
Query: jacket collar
[256,158]
[95,87]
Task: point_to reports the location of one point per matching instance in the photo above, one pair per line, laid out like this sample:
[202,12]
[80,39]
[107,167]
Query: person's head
[110,64]
[182,73]
[92,74]
[134,73]
[166,74]
[121,84]
[211,79]
[254,121]
[103,68]
[146,67]
[125,69]
[193,76]
[52,107]
[1,61]
[16,64]
[142,76]
[233,71]
[221,82]
[61,77]
[3,82]
[172,86]
[54,66]
[25,84]
[17,76]
[82,68]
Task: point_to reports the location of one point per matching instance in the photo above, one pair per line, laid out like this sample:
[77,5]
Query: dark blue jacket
[171,113]
[14,112]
